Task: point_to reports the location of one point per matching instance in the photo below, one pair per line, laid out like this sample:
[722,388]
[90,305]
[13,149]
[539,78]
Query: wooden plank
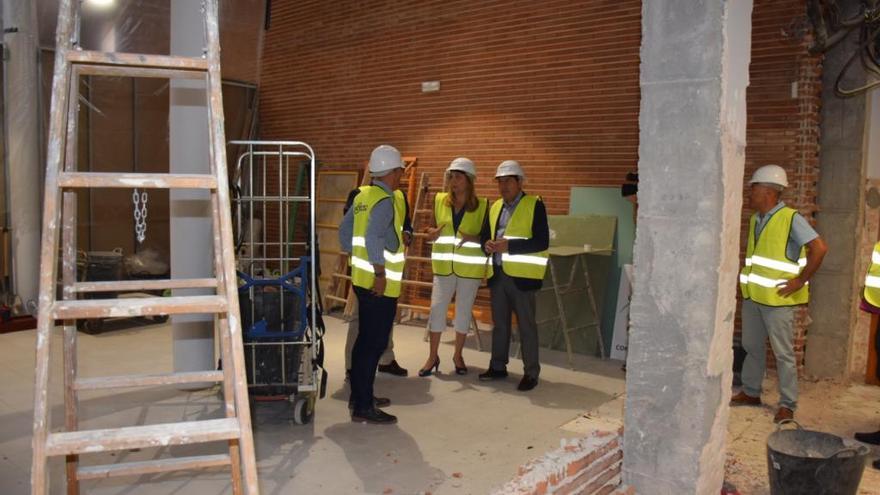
[152,466]
[58,114]
[335,298]
[232,331]
[146,380]
[126,71]
[141,306]
[143,181]
[140,437]
[139,285]
[68,278]
[137,60]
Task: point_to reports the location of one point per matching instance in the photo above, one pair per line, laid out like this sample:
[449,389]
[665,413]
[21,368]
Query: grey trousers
[506,300]
[759,323]
[387,356]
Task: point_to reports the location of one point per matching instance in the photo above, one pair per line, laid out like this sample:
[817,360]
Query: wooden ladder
[61,181]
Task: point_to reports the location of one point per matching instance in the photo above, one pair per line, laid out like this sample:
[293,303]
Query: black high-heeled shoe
[460,370]
[432,369]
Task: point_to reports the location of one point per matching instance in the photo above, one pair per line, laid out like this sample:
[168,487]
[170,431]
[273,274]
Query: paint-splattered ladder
[59,229]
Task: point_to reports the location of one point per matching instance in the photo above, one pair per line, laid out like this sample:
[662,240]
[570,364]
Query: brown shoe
[743,399]
[782,414]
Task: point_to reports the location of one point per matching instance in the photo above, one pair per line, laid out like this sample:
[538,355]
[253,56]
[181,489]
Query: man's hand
[379,286]
[433,233]
[500,246]
[407,238]
[790,287]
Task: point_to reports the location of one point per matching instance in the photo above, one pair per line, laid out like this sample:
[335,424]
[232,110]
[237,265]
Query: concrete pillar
[694,73]
[835,286]
[192,253]
[24,170]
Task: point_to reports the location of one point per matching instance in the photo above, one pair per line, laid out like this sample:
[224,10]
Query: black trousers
[376,318]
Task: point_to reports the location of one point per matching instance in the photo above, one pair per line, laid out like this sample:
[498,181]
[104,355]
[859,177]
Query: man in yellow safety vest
[372,231]
[517,237]
[783,252]
[871,304]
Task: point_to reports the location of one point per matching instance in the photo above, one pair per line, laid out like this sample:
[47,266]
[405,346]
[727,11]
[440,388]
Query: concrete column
[24,170]
[835,286]
[192,253]
[694,73]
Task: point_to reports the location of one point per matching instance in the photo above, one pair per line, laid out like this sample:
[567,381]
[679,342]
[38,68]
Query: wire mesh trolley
[278,293]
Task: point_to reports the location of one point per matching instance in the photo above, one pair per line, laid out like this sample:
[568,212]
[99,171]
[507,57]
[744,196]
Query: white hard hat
[384,159]
[770,174]
[463,164]
[510,167]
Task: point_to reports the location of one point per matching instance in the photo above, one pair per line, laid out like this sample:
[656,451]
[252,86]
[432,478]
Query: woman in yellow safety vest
[457,259]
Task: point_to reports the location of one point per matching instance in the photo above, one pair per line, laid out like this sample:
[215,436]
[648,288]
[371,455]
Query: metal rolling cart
[278,293]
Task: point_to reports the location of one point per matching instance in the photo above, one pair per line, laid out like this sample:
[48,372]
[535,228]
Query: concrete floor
[455,434]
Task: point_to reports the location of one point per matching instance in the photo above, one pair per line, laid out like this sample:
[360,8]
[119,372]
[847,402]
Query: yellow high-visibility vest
[530,265]
[362,272]
[872,279]
[767,265]
[447,257]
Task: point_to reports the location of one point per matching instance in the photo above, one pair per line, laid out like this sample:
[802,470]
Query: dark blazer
[539,241]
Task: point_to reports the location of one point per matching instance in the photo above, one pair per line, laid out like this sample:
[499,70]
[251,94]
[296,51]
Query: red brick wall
[588,466]
[553,84]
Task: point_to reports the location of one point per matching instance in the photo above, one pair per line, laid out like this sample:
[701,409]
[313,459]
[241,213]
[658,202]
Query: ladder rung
[138,285]
[123,381]
[139,437]
[153,466]
[136,60]
[336,298]
[137,306]
[422,309]
[149,181]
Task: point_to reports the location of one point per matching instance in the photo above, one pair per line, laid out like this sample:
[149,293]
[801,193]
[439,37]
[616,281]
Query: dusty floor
[823,406]
[456,435]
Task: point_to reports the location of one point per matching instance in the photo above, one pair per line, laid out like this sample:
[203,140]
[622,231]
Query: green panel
[608,201]
[569,236]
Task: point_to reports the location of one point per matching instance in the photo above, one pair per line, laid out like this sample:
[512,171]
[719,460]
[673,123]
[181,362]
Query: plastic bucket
[805,462]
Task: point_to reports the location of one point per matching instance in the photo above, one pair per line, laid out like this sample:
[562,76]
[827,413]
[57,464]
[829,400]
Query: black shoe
[460,370]
[872,438]
[527,383]
[374,417]
[377,402]
[435,367]
[876,464]
[393,368]
[491,374]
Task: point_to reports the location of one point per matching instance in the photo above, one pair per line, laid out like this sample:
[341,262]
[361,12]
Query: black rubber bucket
[805,462]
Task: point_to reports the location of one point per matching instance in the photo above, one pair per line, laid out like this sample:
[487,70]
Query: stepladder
[217,296]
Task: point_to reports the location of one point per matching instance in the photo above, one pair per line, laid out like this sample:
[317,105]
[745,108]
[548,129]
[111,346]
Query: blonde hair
[471,203]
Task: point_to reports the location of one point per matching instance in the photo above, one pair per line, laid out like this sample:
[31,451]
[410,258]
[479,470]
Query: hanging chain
[140,215]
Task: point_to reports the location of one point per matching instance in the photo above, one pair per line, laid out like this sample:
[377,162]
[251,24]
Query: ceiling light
[100,3]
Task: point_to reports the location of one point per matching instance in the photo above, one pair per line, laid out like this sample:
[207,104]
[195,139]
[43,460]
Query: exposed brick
[576,466]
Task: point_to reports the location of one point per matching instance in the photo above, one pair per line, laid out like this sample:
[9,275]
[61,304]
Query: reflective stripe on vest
[530,265]
[447,257]
[767,266]
[872,279]
[362,271]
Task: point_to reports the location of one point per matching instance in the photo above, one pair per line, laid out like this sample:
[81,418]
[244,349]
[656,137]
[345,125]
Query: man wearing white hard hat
[517,237]
[372,231]
[783,252]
